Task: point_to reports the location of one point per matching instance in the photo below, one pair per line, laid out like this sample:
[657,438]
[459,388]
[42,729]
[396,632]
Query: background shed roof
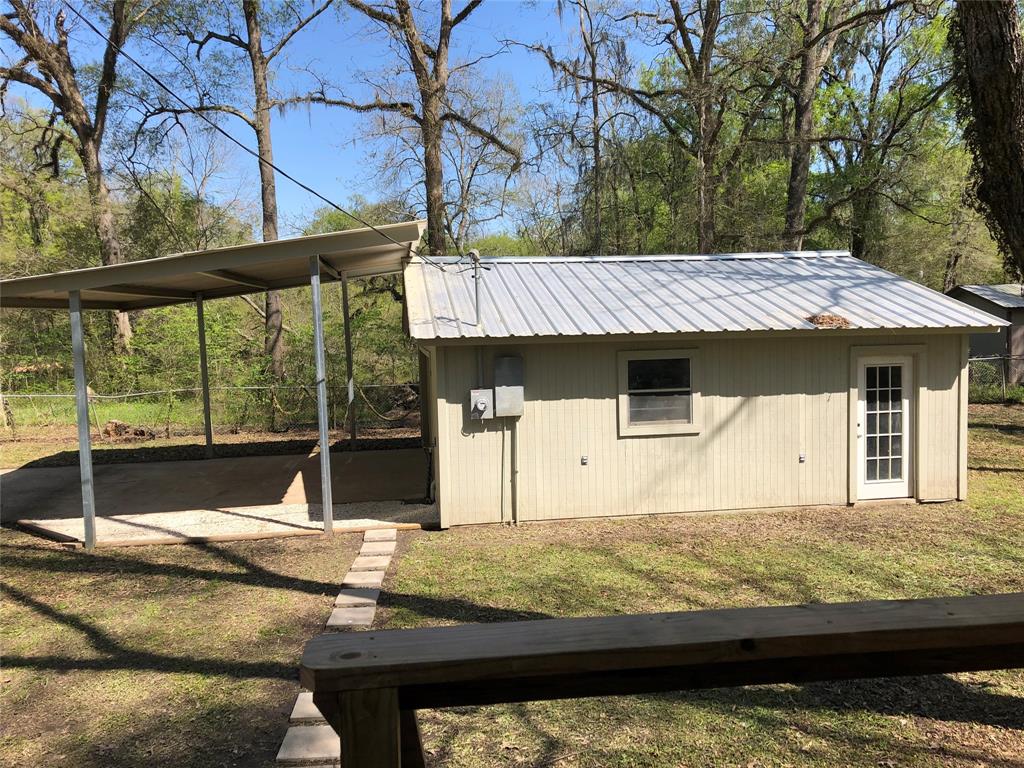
[1007,295]
[529,297]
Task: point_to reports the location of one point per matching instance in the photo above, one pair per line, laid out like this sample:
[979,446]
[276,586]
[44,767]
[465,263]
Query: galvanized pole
[82,409]
[349,364]
[321,397]
[204,376]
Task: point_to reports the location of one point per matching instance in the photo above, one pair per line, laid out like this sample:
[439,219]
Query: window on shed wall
[657,392]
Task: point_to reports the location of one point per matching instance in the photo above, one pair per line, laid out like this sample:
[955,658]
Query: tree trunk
[800,161]
[706,184]
[433,176]
[595,118]
[273,327]
[990,56]
[957,248]
[103,222]
[812,60]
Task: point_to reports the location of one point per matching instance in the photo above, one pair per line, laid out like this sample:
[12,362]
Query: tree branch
[297,28]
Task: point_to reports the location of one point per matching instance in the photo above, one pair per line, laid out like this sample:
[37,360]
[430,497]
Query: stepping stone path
[310,741]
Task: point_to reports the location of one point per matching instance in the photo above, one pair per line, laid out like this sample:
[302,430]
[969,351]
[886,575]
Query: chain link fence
[392,408]
[996,379]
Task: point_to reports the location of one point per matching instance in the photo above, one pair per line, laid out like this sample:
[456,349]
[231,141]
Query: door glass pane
[883,398]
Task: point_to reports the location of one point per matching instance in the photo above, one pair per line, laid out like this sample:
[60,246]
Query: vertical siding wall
[763,402]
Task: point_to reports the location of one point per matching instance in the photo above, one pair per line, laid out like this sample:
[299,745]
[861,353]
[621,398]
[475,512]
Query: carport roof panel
[219,272]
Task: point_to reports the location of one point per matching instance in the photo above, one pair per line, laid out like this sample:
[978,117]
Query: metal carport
[212,274]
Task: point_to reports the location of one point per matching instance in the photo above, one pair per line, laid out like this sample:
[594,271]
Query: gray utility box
[508,386]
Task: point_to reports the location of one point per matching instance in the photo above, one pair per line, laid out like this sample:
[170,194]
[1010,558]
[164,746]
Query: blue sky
[320,145]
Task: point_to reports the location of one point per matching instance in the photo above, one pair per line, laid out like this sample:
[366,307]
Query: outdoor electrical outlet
[803,458]
[584,460]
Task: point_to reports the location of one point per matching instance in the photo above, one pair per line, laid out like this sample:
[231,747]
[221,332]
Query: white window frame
[691,427]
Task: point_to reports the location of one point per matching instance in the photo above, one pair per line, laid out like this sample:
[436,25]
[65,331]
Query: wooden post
[412,740]
[204,376]
[368,724]
[349,365]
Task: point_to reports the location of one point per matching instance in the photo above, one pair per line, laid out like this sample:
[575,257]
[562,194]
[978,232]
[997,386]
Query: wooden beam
[557,658]
[411,740]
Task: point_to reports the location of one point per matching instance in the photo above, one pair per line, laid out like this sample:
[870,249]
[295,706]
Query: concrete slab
[231,522]
[377,548]
[171,486]
[371,563]
[357,596]
[305,744]
[363,579]
[351,616]
[381,534]
[305,710]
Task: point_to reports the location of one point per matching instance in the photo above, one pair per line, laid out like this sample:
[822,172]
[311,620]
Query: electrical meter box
[481,403]
[508,386]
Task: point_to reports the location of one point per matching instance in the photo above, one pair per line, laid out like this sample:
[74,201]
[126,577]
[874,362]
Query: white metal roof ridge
[752,256]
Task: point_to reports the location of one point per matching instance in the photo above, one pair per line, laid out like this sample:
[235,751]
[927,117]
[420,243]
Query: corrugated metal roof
[1008,295]
[522,297]
[219,272]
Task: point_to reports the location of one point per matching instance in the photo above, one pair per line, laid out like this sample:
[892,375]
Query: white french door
[884,427]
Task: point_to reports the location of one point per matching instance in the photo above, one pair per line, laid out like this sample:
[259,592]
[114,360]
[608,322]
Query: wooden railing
[369,684]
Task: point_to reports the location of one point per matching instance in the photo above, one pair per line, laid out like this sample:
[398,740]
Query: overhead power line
[167,89]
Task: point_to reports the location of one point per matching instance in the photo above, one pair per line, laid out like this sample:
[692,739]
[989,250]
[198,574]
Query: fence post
[1003,363]
[349,366]
[204,376]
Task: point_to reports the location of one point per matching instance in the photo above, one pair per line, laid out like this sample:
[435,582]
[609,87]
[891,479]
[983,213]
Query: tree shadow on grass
[455,609]
[114,655]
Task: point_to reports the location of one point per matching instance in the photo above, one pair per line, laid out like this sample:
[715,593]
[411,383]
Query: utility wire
[235,141]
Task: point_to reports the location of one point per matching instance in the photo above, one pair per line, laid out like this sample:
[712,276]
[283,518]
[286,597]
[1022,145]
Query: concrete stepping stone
[380,534]
[363,579]
[371,563]
[377,548]
[357,596]
[310,744]
[351,616]
[305,710]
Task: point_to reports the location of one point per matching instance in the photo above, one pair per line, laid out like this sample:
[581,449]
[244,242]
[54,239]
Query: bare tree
[431,109]
[46,65]
[819,28]
[258,36]
[887,84]
[988,53]
[711,97]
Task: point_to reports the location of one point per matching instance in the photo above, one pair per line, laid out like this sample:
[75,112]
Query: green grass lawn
[157,656]
[772,557]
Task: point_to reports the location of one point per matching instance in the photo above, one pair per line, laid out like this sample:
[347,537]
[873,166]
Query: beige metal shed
[658,384]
